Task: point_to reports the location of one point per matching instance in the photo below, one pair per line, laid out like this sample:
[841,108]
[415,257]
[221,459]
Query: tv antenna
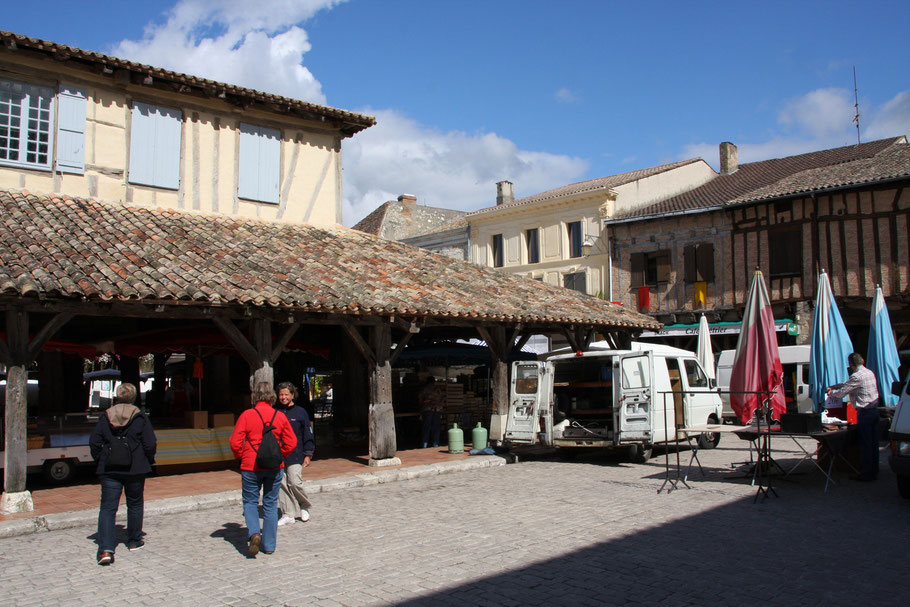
[856,105]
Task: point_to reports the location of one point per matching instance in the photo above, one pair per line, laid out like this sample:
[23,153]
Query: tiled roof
[61,248]
[601,183]
[396,219]
[765,175]
[891,163]
[353,122]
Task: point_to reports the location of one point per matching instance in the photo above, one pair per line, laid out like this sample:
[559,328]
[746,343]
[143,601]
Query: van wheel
[709,440]
[59,470]
[639,454]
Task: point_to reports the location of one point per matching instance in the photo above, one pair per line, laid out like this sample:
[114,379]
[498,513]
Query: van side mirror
[896,388]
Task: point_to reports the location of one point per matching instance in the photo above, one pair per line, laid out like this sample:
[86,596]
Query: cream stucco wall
[551,219]
[661,186]
[552,216]
[310,164]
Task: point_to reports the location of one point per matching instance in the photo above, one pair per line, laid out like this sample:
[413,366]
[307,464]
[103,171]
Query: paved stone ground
[593,531]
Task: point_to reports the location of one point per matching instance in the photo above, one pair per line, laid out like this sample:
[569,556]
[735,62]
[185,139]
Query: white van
[899,435]
[610,399]
[794,360]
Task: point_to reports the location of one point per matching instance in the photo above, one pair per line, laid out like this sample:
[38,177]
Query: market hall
[240,294]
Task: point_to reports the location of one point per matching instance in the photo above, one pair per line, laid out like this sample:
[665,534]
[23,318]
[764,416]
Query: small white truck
[611,399]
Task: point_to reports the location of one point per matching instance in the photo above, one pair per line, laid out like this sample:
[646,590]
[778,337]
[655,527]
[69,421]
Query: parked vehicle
[795,362]
[611,399]
[899,434]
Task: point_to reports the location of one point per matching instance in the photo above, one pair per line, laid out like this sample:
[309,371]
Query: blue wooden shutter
[259,163]
[71,129]
[155,146]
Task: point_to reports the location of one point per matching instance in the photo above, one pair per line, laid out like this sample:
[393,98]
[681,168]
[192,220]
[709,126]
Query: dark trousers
[429,428]
[867,428]
[111,487]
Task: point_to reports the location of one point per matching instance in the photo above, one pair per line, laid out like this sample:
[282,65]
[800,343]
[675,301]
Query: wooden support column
[383,443]
[500,345]
[377,352]
[18,352]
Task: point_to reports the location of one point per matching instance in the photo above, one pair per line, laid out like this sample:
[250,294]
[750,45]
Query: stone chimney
[729,159]
[408,198]
[504,193]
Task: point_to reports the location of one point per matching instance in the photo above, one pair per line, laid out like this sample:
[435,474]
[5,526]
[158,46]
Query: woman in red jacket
[245,442]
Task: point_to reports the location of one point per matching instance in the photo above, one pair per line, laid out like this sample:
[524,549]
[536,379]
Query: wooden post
[500,346]
[383,445]
[262,341]
[18,353]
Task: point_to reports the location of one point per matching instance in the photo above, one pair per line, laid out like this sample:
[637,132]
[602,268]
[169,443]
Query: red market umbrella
[757,372]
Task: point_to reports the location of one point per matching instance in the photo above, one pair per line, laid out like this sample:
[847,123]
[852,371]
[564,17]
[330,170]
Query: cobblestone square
[593,531]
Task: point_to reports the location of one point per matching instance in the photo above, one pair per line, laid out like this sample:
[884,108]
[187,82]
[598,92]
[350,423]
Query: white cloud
[262,45]
[252,44]
[454,170]
[890,120]
[564,95]
[819,113]
[819,120]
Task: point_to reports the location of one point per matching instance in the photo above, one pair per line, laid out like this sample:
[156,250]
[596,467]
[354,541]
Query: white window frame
[259,163]
[31,97]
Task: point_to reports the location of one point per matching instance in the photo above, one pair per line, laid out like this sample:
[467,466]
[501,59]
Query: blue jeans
[429,428]
[270,483]
[111,487]
[867,428]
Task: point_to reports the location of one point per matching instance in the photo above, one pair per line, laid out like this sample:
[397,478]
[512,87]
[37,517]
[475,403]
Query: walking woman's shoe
[255,540]
[106,558]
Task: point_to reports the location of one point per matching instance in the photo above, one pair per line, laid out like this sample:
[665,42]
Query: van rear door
[633,393]
[529,399]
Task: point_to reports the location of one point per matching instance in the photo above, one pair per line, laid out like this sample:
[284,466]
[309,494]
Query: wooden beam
[283,341]
[359,341]
[46,332]
[399,349]
[237,339]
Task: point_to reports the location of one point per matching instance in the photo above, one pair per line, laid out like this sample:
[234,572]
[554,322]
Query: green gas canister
[456,439]
[479,437]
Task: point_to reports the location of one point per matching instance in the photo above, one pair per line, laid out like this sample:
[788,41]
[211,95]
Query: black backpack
[268,456]
[119,452]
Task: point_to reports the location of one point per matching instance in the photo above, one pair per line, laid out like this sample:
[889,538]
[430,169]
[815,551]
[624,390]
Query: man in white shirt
[863,393]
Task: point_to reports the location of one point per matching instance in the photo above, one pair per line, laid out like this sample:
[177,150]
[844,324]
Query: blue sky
[541,93]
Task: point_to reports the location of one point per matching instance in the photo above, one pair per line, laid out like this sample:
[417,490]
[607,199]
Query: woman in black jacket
[134,451]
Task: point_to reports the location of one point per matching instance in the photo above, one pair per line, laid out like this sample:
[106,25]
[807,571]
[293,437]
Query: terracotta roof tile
[761,176]
[591,185]
[355,122]
[58,247]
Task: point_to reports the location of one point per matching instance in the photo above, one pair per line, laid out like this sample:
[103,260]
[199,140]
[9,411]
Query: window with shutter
[71,102]
[533,243]
[259,163]
[575,237]
[785,251]
[155,146]
[26,113]
[698,263]
[498,255]
[575,281]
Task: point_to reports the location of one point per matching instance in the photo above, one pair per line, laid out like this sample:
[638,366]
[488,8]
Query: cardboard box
[197,420]
[220,420]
